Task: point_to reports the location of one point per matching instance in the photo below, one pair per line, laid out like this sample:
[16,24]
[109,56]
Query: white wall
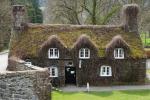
[3,61]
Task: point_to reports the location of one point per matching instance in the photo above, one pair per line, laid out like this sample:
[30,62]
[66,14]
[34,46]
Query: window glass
[56,52]
[53,72]
[119,53]
[53,53]
[108,71]
[105,71]
[116,53]
[84,53]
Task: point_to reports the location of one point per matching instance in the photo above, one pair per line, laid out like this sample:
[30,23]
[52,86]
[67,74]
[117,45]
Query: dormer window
[119,53]
[53,53]
[84,53]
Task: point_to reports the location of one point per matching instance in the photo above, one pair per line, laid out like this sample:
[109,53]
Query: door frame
[75,81]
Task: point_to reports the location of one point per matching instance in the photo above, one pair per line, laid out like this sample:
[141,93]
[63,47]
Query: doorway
[70,75]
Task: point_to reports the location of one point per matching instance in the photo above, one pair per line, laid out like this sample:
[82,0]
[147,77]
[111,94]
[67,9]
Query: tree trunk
[94,12]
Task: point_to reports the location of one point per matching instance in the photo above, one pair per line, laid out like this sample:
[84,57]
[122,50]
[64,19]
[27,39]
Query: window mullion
[50,72]
[118,51]
[88,53]
[56,72]
[105,71]
[84,53]
[53,52]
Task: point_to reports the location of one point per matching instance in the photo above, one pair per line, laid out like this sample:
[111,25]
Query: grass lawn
[114,95]
[148,71]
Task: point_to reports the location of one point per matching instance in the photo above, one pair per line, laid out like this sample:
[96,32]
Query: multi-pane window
[53,72]
[119,53]
[53,53]
[105,71]
[84,53]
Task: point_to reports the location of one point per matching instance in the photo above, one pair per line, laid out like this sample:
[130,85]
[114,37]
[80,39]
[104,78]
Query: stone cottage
[81,54]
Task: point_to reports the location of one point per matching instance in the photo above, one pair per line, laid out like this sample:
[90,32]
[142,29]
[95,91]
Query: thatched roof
[53,41]
[97,36]
[84,42]
[117,41]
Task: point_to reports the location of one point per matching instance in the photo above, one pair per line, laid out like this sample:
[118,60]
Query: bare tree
[83,11]
[100,11]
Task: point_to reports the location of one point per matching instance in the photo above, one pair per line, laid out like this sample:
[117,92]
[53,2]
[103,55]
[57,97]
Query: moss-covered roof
[28,42]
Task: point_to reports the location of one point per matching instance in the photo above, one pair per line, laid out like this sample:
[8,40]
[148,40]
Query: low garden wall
[30,84]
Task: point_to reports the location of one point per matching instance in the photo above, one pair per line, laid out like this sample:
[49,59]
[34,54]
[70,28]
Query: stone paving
[71,88]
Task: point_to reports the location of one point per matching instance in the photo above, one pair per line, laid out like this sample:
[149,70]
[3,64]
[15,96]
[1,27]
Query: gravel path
[104,88]
[3,60]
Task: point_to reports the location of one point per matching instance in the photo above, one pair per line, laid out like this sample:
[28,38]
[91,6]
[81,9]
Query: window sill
[53,58]
[119,58]
[105,75]
[84,57]
[53,76]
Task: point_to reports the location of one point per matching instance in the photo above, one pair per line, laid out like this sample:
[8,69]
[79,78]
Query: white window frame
[105,71]
[83,55]
[119,53]
[53,56]
[55,71]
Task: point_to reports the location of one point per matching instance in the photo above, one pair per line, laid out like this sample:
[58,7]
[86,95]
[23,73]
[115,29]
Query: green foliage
[112,95]
[145,36]
[148,71]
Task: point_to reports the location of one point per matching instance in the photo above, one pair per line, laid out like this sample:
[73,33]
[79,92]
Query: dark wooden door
[70,75]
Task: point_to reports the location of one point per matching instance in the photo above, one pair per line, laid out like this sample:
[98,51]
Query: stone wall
[25,85]
[24,82]
[15,64]
[124,71]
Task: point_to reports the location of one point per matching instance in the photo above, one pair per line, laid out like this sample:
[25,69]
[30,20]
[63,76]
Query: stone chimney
[130,17]
[18,15]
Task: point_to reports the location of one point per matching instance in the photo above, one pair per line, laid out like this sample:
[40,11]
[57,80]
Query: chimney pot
[18,16]
[130,17]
